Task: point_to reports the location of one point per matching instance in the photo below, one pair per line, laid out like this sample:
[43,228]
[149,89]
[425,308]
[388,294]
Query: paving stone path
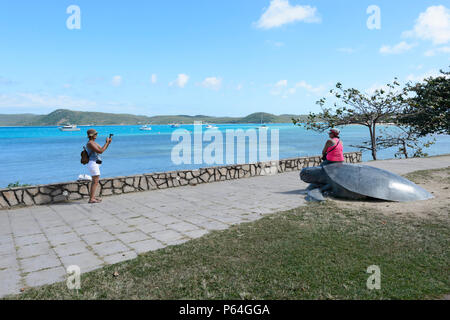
[37,244]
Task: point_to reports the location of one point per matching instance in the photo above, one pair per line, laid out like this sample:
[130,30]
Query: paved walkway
[37,244]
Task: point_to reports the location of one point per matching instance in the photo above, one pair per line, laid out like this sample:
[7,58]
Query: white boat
[145,128]
[263,126]
[209,126]
[175,125]
[69,127]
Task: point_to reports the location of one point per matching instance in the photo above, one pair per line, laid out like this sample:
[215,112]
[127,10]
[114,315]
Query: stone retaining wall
[59,192]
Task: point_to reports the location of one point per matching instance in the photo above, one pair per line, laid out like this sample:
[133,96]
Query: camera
[111,135]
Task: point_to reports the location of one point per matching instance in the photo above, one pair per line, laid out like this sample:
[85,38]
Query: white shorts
[94,168]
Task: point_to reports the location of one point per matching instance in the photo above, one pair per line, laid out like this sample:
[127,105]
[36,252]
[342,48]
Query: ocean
[41,155]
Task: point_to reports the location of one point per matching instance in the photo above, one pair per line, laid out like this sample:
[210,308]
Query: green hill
[62,116]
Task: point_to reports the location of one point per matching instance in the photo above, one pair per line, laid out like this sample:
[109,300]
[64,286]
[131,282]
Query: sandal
[98,199]
[94,201]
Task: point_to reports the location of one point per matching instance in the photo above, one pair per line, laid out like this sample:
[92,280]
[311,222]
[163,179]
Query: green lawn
[315,252]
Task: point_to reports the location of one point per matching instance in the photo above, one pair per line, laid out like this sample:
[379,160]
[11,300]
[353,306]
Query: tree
[355,107]
[428,110]
[407,140]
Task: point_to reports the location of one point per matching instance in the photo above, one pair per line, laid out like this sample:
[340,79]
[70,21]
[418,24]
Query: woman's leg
[94,185]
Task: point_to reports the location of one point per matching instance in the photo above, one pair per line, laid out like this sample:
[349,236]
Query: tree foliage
[355,107]
[428,110]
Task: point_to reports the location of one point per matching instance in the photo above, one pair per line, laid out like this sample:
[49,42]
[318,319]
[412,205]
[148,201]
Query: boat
[262,126]
[210,126]
[69,127]
[175,125]
[145,128]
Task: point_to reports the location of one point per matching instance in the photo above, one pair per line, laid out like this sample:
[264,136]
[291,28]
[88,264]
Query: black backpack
[84,156]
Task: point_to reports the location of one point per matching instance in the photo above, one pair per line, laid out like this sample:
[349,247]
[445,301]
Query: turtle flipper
[315,195]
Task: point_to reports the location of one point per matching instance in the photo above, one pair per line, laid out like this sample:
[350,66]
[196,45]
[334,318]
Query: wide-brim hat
[91,132]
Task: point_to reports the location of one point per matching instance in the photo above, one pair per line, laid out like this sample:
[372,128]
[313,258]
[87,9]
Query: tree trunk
[405,151]
[373,141]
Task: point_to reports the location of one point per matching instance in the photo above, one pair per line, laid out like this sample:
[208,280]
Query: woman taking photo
[334,149]
[93,150]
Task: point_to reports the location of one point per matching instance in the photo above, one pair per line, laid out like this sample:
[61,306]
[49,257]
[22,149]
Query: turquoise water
[39,155]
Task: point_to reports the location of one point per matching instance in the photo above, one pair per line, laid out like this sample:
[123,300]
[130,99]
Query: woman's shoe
[94,201]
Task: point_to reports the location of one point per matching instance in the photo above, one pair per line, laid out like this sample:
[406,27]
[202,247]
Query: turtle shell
[375,183]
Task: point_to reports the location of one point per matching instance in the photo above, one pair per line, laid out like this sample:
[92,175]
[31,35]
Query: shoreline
[182,124]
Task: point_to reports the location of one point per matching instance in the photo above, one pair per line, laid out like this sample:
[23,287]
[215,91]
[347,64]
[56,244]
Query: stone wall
[59,192]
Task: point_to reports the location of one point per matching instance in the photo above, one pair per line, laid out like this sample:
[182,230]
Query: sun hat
[335,131]
[91,132]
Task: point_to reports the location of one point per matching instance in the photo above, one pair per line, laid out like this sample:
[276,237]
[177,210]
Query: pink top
[337,154]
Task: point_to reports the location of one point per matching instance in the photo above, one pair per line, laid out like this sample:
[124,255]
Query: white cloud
[154,78]
[433,24]
[212,83]
[421,77]
[181,80]
[281,88]
[43,100]
[433,52]
[309,88]
[239,87]
[397,49]
[281,12]
[116,81]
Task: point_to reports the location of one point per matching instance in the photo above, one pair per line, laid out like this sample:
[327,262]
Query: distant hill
[62,116]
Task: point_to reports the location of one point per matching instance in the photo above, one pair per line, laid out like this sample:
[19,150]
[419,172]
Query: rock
[128,189]
[117,184]
[75,196]
[107,192]
[84,190]
[129,181]
[143,184]
[56,192]
[45,190]
[72,187]
[27,199]
[204,177]
[19,195]
[33,191]
[10,197]
[107,184]
[3,203]
[59,198]
[42,199]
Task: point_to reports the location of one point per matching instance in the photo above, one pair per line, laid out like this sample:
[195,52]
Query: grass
[17,184]
[319,251]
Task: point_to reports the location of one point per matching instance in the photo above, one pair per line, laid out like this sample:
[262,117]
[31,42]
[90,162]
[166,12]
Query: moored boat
[69,127]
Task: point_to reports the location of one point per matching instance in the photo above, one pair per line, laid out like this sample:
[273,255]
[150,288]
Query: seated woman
[334,149]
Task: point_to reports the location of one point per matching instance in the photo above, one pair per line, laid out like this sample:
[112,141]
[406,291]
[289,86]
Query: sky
[211,57]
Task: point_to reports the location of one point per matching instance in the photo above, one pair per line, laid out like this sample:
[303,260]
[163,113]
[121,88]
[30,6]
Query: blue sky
[223,58]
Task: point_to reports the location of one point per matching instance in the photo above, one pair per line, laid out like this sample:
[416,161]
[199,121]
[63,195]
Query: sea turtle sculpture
[359,182]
